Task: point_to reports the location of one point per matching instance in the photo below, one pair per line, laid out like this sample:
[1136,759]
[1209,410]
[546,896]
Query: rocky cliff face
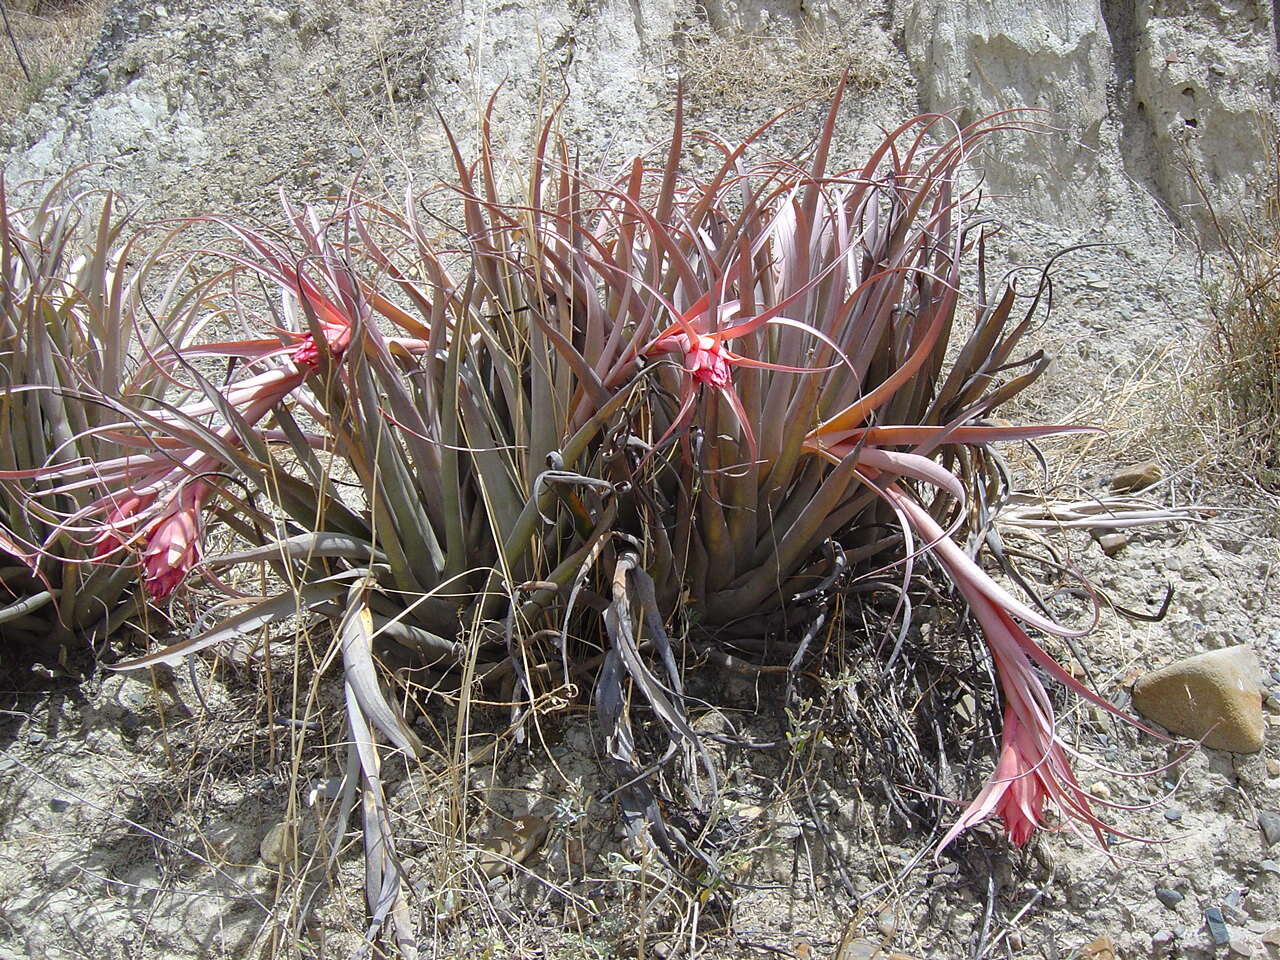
[1136,90]
[194,105]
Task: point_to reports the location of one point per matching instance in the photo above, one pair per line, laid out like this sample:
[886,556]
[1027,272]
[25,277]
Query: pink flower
[1018,785]
[163,502]
[337,337]
[306,354]
[707,360]
[1034,765]
[173,543]
[119,520]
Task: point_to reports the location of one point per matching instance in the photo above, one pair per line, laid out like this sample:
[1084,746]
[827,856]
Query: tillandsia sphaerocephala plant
[569,437]
[72,273]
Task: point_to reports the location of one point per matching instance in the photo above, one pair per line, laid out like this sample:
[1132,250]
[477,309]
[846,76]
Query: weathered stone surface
[1269,824]
[1218,691]
[1148,86]
[1202,70]
[278,845]
[979,57]
[1138,476]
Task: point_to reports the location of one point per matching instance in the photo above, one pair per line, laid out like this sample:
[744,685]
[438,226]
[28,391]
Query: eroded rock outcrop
[1137,92]
[205,104]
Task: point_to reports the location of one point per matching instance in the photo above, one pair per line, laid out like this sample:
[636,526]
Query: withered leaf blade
[355,633]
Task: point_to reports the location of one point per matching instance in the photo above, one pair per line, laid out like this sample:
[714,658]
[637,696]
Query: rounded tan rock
[278,846]
[1218,693]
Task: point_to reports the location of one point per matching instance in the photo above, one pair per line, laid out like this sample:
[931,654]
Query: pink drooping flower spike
[173,545]
[1033,766]
[163,515]
[153,500]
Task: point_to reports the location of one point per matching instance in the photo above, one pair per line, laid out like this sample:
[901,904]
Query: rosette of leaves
[70,281]
[567,437]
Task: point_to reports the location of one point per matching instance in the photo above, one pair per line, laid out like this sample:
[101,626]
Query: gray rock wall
[196,105]
[1136,90]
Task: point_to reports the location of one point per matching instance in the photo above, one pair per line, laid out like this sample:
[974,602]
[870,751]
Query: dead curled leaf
[509,843]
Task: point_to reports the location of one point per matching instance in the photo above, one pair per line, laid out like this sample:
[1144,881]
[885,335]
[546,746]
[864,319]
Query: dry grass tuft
[44,42]
[1241,369]
[746,70]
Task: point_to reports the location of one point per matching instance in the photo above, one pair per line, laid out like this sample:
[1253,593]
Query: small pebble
[278,846]
[1162,939]
[1269,823]
[35,737]
[1173,814]
[1217,926]
[1136,477]
[6,763]
[1270,866]
[887,923]
[1112,543]
[327,789]
[1170,898]
[58,805]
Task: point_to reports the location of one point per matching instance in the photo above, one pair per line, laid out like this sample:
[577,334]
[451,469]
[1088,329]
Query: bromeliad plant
[707,408]
[70,289]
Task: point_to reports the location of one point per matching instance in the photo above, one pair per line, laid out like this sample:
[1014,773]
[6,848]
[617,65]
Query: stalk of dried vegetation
[1239,386]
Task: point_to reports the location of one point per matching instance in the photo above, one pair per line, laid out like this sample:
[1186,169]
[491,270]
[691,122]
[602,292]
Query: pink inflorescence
[706,361]
[306,355]
[1018,785]
[173,544]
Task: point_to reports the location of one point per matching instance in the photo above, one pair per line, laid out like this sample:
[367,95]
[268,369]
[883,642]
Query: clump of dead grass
[1238,384]
[44,40]
[745,70]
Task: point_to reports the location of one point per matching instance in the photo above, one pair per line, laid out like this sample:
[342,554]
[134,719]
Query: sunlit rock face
[1135,92]
[195,105]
